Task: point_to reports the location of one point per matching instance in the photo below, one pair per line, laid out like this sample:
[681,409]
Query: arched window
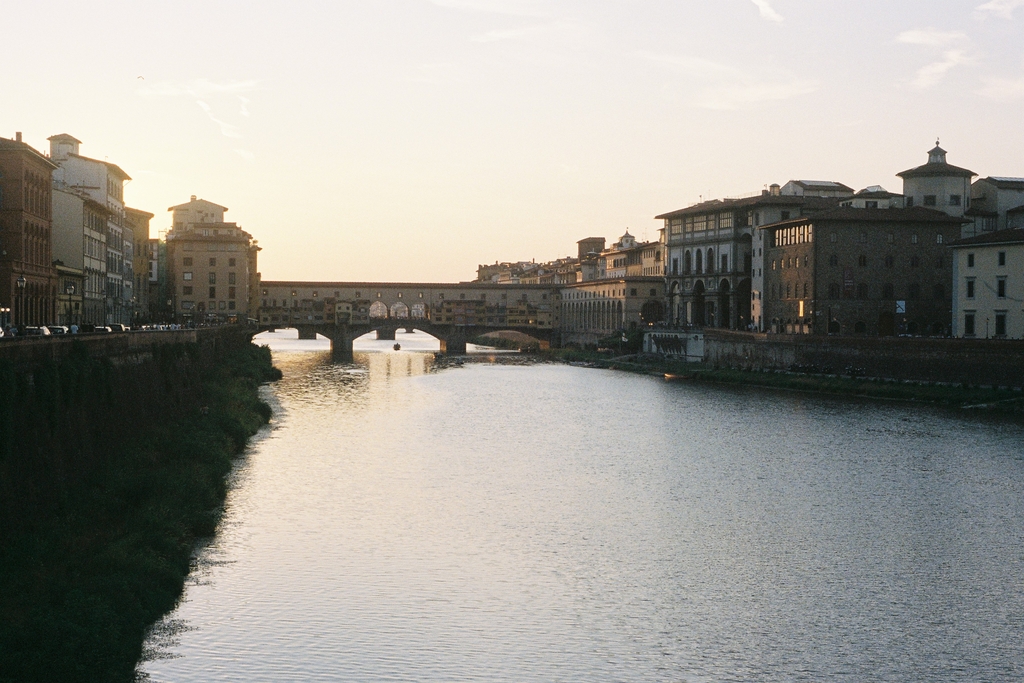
[833,291]
[862,290]
[833,260]
[711,260]
[699,266]
[862,261]
[687,262]
[805,290]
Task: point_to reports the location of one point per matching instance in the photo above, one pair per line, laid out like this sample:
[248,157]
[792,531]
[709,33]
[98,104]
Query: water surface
[547,523]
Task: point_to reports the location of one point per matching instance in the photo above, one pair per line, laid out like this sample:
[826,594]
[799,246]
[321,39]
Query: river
[516,522]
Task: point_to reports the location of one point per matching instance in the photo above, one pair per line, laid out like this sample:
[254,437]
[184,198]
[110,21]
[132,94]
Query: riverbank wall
[970,362]
[114,453]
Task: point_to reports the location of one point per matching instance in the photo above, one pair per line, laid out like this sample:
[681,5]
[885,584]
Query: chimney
[192,198]
[17,136]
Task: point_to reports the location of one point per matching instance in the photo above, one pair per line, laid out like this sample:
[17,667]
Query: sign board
[901,306]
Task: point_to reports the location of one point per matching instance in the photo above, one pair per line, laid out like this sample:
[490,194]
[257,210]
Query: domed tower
[938,185]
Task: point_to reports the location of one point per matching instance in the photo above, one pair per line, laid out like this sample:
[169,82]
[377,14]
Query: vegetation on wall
[108,475]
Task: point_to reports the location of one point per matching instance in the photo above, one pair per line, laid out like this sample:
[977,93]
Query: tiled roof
[1015,236]
[1005,183]
[916,214]
[933,169]
[715,205]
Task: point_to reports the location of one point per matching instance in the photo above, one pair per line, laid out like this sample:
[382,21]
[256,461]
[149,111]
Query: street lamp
[69,289]
[21,295]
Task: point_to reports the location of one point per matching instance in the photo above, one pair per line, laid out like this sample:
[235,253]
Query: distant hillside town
[944,257]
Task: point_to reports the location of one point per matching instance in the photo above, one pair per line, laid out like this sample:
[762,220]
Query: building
[939,185]
[997,203]
[70,298]
[28,279]
[103,182]
[859,271]
[875,197]
[988,281]
[138,221]
[597,309]
[715,257]
[211,265]
[80,242]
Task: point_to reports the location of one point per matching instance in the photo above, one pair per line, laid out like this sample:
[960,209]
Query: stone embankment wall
[119,347]
[976,362]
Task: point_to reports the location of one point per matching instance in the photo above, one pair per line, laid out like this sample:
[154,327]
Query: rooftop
[917,214]
[1015,236]
[750,202]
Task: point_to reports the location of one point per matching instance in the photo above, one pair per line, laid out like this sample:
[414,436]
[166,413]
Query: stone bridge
[454,313]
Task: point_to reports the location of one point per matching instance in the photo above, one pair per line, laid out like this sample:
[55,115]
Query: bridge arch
[399,310]
[378,309]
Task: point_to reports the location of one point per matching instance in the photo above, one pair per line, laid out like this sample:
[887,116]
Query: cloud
[931,37]
[930,74]
[724,87]
[226,129]
[999,8]
[517,8]
[245,154]
[767,13]
[954,46]
[245,105]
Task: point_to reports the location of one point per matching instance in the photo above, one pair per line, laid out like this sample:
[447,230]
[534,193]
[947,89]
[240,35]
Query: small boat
[397,347]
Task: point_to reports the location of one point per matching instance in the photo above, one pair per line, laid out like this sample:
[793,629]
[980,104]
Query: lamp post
[5,317]
[69,289]
[20,311]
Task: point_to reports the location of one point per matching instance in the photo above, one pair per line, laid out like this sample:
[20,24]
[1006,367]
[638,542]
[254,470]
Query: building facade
[988,281]
[860,271]
[593,310]
[939,185]
[28,279]
[997,203]
[80,241]
[103,182]
[138,220]
[211,265]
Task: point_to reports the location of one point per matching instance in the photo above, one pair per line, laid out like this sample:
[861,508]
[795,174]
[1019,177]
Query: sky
[411,140]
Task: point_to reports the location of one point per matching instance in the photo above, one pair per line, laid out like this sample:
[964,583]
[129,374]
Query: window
[231,263]
[1001,288]
[862,291]
[888,261]
[929,200]
[887,291]
[213,278]
[725,263]
[1000,323]
[833,291]
[213,262]
[805,290]
[1001,258]
[890,238]
[938,238]
[773,264]
[213,293]
[187,261]
[863,237]
[913,238]
[833,260]
[862,261]
[231,305]
[832,238]
[231,279]
[954,200]
[910,202]
[187,276]
[231,292]
[871,205]
[969,287]
[969,324]
[970,260]
[186,290]
[788,289]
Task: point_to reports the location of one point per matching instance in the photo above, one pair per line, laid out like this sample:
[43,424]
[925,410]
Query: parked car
[117,327]
[36,332]
[57,329]
[101,329]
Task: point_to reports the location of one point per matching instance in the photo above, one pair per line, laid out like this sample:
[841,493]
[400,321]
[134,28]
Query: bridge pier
[341,344]
[455,345]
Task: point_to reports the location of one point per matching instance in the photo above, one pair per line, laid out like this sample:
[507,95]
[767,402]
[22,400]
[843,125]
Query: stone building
[138,220]
[859,271]
[28,280]
[713,269]
[593,310]
[80,241]
[988,281]
[211,265]
[939,185]
[103,182]
[997,203]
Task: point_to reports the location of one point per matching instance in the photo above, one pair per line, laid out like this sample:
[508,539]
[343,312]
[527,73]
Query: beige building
[138,221]
[988,285]
[599,308]
[211,265]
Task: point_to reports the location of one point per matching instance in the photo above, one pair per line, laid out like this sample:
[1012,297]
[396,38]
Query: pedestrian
[74,328]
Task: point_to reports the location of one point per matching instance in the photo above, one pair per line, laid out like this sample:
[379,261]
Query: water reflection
[507,523]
